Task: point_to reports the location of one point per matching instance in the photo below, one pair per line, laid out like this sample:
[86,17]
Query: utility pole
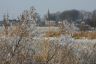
[6,23]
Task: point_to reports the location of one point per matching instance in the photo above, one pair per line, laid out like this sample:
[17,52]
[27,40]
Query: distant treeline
[73,16]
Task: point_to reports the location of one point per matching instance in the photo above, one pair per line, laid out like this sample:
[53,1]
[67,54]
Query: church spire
[48,15]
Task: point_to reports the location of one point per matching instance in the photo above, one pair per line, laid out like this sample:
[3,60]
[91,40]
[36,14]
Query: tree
[94,18]
[70,15]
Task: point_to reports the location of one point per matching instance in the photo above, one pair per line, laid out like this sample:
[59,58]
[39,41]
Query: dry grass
[17,31]
[88,35]
[53,54]
[52,34]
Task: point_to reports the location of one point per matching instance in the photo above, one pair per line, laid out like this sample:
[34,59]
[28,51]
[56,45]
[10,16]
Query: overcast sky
[14,7]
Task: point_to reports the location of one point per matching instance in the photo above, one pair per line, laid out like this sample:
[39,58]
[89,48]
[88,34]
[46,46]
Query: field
[45,48]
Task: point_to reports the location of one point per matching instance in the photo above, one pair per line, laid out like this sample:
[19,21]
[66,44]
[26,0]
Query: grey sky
[14,7]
